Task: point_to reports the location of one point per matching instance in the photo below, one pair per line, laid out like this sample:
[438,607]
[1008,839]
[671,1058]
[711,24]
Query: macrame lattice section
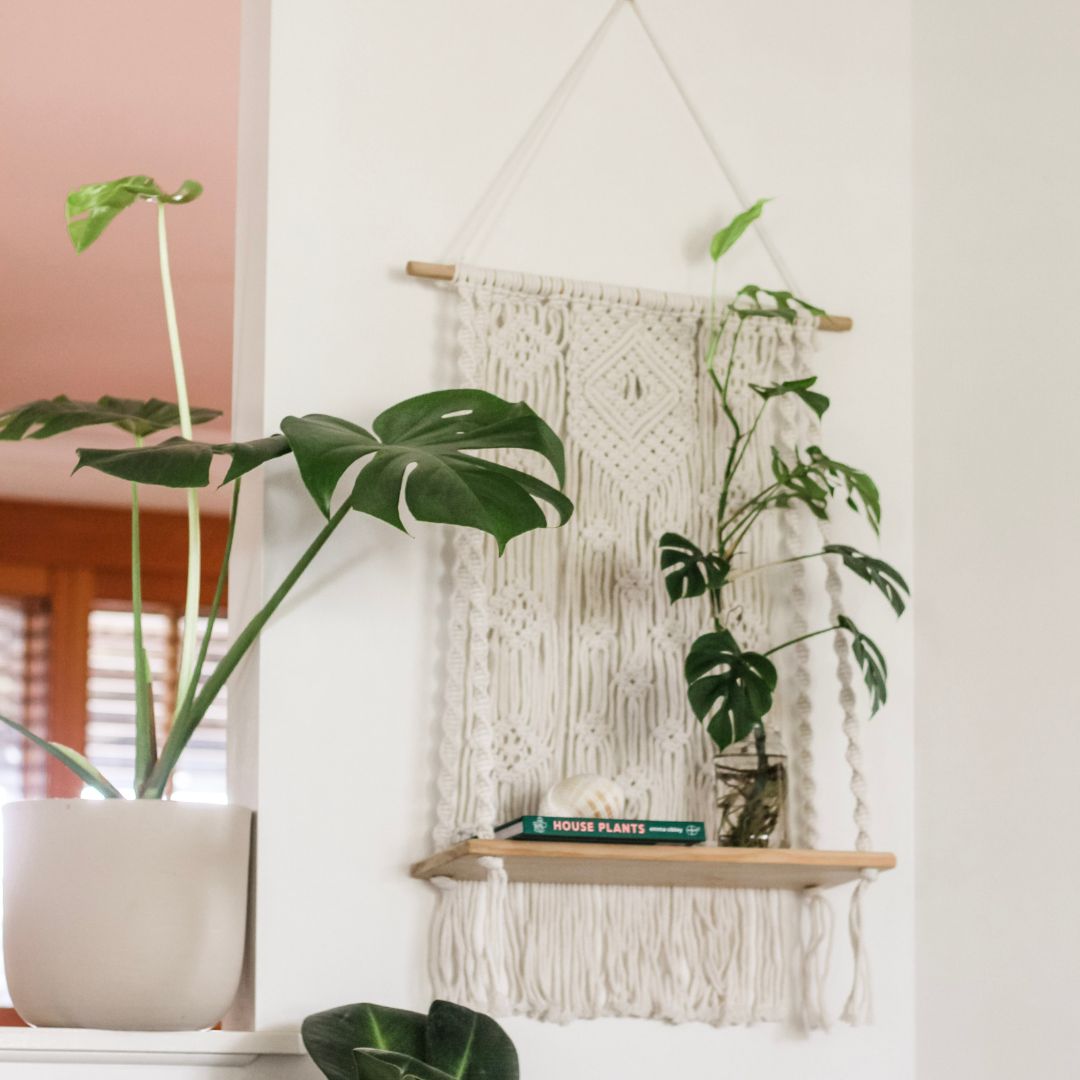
[565,656]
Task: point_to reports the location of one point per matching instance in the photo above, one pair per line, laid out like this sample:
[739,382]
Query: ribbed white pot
[128,915]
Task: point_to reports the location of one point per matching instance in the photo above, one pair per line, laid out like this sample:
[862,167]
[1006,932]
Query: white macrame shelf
[654,864]
[430,271]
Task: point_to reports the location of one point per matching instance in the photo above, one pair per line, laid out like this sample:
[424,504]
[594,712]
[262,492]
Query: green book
[602,830]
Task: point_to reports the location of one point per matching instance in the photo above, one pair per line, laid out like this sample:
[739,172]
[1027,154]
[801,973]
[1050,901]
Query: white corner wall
[997,242]
[386,119]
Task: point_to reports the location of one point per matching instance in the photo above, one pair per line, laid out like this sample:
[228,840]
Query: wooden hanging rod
[445,272]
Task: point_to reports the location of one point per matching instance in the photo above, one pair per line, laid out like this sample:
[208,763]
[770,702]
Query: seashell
[586,795]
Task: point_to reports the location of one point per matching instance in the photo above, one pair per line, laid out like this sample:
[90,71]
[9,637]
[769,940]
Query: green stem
[145,731]
[803,637]
[775,562]
[215,605]
[194,568]
[185,727]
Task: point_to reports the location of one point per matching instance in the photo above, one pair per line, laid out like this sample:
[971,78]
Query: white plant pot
[128,915]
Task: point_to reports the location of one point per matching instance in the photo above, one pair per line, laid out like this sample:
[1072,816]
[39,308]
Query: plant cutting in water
[731,688]
[419,451]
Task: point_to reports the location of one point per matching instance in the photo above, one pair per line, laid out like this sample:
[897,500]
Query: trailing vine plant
[730,688]
[419,452]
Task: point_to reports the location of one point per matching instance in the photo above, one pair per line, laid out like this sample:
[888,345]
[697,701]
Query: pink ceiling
[90,92]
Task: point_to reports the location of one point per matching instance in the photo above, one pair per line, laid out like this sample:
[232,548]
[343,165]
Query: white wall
[386,120]
[997,246]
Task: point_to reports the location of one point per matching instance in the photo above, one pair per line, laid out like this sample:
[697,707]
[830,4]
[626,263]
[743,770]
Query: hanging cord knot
[495,867]
[443,883]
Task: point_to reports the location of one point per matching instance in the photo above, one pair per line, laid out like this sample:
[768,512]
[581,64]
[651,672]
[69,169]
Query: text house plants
[730,688]
[130,913]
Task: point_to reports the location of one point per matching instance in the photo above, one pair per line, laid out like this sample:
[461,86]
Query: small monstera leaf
[814,480]
[798,483]
[730,690]
[784,305]
[724,240]
[875,571]
[860,488]
[870,659]
[330,1037]
[689,571]
[419,448]
[53,416]
[800,388]
[92,207]
[181,463]
[371,1042]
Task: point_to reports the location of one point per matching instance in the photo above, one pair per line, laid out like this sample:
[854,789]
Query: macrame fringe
[561,952]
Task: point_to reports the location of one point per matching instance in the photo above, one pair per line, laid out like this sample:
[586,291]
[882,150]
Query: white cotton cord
[495,950]
[491,203]
[858,1008]
[816,926]
[714,148]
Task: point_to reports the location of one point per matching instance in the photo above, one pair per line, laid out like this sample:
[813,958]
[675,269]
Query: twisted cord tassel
[858,1009]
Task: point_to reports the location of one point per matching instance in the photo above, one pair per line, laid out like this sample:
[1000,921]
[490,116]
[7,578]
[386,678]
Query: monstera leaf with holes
[689,571]
[801,388]
[877,572]
[372,1042]
[730,690]
[870,660]
[53,416]
[423,447]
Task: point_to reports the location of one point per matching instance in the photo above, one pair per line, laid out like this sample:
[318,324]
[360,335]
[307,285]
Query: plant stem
[803,637]
[194,568]
[145,732]
[775,562]
[183,730]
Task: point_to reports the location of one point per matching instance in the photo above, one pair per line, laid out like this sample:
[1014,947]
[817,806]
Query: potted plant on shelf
[731,688]
[130,913]
[373,1042]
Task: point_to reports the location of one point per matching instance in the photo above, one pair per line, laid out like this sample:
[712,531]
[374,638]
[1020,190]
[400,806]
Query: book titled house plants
[130,913]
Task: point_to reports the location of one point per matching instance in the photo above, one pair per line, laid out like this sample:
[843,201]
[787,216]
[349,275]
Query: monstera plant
[373,1042]
[181,865]
[423,447]
[731,687]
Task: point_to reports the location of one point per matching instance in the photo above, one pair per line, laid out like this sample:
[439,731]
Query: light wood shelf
[654,864]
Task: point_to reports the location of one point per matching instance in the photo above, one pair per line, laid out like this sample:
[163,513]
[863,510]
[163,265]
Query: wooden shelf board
[654,864]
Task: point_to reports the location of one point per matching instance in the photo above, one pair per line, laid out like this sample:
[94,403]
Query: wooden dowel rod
[445,272]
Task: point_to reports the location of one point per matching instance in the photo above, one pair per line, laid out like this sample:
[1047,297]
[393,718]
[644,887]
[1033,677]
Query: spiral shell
[584,796]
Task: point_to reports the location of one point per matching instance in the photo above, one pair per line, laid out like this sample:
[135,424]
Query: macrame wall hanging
[566,657]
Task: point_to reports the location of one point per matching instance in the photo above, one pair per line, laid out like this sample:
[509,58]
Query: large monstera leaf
[418,451]
[730,690]
[371,1042]
[53,416]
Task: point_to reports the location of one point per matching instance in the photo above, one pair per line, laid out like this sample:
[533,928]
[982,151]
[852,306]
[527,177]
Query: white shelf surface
[55,1045]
